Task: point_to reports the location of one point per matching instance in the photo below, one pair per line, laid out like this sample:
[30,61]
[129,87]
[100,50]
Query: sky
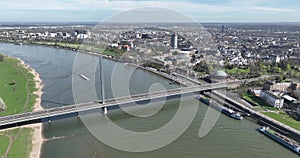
[199,10]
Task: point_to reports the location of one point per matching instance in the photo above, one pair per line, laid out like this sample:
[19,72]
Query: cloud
[273,10]
[121,5]
[176,5]
[195,8]
[37,5]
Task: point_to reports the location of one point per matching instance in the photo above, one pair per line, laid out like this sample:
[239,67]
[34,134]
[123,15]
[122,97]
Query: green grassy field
[258,101]
[236,70]
[280,116]
[4,140]
[16,89]
[84,47]
[16,85]
[22,147]
[285,119]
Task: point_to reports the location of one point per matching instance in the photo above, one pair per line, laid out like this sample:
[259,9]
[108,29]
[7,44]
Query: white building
[82,36]
[185,54]
[158,60]
[275,58]
[271,99]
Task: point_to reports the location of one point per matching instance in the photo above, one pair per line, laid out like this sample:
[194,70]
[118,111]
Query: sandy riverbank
[37,139]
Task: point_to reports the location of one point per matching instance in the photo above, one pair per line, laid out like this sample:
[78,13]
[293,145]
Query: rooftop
[220,73]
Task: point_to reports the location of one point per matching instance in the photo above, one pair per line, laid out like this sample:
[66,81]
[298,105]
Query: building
[157,60]
[271,86]
[296,94]
[295,86]
[174,41]
[274,58]
[182,70]
[185,53]
[222,29]
[256,92]
[271,99]
[217,76]
[289,99]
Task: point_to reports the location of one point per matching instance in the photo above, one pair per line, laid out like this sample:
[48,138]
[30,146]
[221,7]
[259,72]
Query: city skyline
[98,10]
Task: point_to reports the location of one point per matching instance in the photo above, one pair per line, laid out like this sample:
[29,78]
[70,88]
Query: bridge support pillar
[104,110]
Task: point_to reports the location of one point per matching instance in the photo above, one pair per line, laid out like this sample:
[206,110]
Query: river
[229,138]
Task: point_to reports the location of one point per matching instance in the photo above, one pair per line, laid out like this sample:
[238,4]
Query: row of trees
[286,68]
[114,50]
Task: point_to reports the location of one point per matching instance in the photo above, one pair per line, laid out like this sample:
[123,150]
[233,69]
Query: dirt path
[11,141]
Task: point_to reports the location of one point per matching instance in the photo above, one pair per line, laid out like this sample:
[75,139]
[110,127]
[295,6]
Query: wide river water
[228,138]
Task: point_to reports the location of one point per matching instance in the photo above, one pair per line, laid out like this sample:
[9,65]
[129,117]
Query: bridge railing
[109,102]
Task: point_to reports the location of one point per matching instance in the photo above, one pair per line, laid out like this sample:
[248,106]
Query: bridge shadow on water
[45,103]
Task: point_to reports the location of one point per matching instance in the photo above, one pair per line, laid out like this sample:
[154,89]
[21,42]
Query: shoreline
[37,137]
[90,52]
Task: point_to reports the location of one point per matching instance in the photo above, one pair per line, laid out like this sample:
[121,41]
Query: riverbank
[82,48]
[37,139]
[26,91]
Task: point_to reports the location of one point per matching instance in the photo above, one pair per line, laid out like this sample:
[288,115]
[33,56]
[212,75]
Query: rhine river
[229,138]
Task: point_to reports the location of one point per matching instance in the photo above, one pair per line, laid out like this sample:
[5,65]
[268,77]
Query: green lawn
[296,73]
[236,70]
[285,119]
[22,147]
[16,96]
[18,99]
[84,47]
[71,45]
[258,101]
[4,141]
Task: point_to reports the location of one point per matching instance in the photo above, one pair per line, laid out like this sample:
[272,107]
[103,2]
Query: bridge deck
[37,116]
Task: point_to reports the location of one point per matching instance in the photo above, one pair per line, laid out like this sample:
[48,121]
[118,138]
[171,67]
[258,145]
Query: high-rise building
[174,41]
[222,29]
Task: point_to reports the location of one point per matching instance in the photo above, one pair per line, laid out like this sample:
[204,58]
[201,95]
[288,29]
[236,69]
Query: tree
[276,70]
[279,79]
[1,57]
[253,69]
[202,67]
[288,67]
[262,68]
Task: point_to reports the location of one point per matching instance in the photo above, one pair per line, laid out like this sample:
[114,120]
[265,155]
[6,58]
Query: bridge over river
[48,115]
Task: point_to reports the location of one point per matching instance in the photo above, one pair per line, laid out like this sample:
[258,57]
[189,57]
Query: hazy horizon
[200,10]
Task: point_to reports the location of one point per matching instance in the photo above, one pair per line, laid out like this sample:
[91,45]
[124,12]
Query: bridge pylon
[104,110]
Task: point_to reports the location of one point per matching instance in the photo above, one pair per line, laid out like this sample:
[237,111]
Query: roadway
[37,116]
